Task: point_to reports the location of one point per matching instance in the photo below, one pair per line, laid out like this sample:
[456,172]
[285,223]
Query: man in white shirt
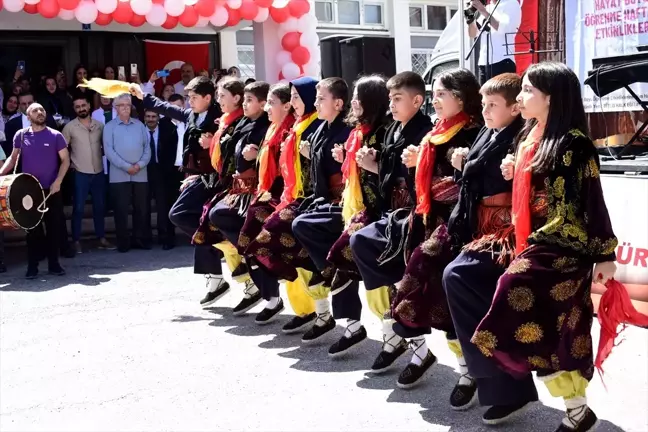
[105,112]
[187,73]
[500,33]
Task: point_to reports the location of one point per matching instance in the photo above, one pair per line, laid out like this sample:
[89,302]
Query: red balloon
[281,76]
[279,15]
[189,17]
[123,14]
[263,3]
[248,10]
[170,22]
[103,19]
[48,8]
[136,21]
[300,55]
[298,8]
[290,41]
[68,4]
[161,2]
[30,8]
[233,16]
[205,8]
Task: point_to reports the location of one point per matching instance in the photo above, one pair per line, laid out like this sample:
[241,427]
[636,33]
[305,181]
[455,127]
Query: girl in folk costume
[221,149]
[420,303]
[481,231]
[541,316]
[274,249]
[228,215]
[325,235]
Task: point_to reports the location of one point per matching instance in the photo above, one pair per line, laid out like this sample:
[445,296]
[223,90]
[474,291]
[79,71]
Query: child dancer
[480,226]
[323,233]
[274,248]
[377,248]
[541,316]
[420,302]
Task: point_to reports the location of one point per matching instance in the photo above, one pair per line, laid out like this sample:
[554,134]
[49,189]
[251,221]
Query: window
[348,12]
[416,17]
[452,12]
[246,60]
[324,11]
[436,17]
[373,14]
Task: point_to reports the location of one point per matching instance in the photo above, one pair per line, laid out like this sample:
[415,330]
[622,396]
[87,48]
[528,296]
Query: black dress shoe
[464,396]
[32,272]
[498,414]
[267,315]
[346,344]
[56,270]
[587,423]
[413,374]
[317,331]
[299,323]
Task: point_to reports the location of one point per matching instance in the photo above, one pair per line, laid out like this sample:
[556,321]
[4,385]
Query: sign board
[604,28]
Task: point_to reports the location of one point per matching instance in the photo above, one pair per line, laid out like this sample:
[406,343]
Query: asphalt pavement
[121,344]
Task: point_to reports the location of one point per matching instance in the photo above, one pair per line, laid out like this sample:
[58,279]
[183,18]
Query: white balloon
[307,22]
[141,7]
[14,5]
[290,25]
[174,7]
[32,2]
[86,12]
[220,17]
[156,16]
[190,2]
[290,71]
[234,4]
[278,4]
[262,15]
[66,15]
[283,57]
[308,39]
[202,21]
[106,6]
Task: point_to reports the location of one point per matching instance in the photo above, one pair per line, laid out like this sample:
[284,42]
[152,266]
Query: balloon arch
[296,19]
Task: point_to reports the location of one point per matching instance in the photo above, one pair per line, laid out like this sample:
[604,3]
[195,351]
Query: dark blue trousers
[185,214]
[367,245]
[230,223]
[470,282]
[317,231]
[95,185]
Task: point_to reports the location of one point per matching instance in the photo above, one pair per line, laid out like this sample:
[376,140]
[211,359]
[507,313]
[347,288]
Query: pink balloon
[205,8]
[248,10]
[298,8]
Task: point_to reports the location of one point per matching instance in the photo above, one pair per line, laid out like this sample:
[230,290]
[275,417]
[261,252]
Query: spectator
[234,72]
[106,111]
[80,74]
[187,73]
[56,102]
[22,121]
[249,81]
[109,73]
[3,267]
[178,101]
[43,153]
[84,137]
[128,151]
[164,176]
[10,107]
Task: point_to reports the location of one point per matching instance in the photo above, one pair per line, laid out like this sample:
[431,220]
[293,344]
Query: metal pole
[462,33]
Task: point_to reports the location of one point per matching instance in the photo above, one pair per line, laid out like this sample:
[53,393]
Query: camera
[470,13]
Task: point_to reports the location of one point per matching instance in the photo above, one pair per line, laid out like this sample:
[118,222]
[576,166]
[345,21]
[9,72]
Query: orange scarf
[224,122]
[521,201]
[290,164]
[268,170]
[443,131]
[352,196]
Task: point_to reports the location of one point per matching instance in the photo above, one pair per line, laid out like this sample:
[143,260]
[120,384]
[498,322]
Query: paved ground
[120,344]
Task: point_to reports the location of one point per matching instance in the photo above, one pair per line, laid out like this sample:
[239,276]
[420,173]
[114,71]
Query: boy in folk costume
[420,304]
[228,215]
[377,248]
[541,316]
[197,188]
[480,227]
[221,149]
[323,233]
[274,249]
[264,201]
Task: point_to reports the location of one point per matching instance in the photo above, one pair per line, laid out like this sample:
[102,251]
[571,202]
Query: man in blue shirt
[128,151]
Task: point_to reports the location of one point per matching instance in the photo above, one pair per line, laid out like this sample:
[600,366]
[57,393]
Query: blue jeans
[95,184]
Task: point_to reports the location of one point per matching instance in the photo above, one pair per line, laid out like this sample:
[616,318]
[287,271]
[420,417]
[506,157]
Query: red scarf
[224,122]
[522,188]
[268,169]
[443,131]
[352,195]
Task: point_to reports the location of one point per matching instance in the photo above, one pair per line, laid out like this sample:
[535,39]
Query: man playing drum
[43,152]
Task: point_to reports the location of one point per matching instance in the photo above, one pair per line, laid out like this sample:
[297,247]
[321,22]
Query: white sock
[352,327]
[420,348]
[576,409]
[323,310]
[390,339]
[272,303]
[250,289]
[213,282]
[465,379]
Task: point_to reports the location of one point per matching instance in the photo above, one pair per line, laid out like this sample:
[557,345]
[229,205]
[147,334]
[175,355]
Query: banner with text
[603,28]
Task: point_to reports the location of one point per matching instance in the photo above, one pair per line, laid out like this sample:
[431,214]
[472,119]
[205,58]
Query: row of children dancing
[484,224]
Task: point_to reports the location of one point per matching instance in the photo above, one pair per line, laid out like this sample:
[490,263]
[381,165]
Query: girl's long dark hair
[463,84]
[566,111]
[374,99]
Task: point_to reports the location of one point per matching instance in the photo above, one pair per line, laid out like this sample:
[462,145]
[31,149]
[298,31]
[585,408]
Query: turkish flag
[172,55]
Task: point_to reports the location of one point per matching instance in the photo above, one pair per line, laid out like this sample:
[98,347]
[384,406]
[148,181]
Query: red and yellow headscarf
[268,169]
[225,122]
[352,202]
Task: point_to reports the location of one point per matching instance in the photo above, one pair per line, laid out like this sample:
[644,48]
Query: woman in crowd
[57,103]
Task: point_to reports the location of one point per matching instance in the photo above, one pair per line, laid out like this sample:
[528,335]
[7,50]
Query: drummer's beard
[38,121]
[82,114]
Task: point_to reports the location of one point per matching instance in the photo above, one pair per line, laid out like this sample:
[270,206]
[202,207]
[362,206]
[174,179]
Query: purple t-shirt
[39,153]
